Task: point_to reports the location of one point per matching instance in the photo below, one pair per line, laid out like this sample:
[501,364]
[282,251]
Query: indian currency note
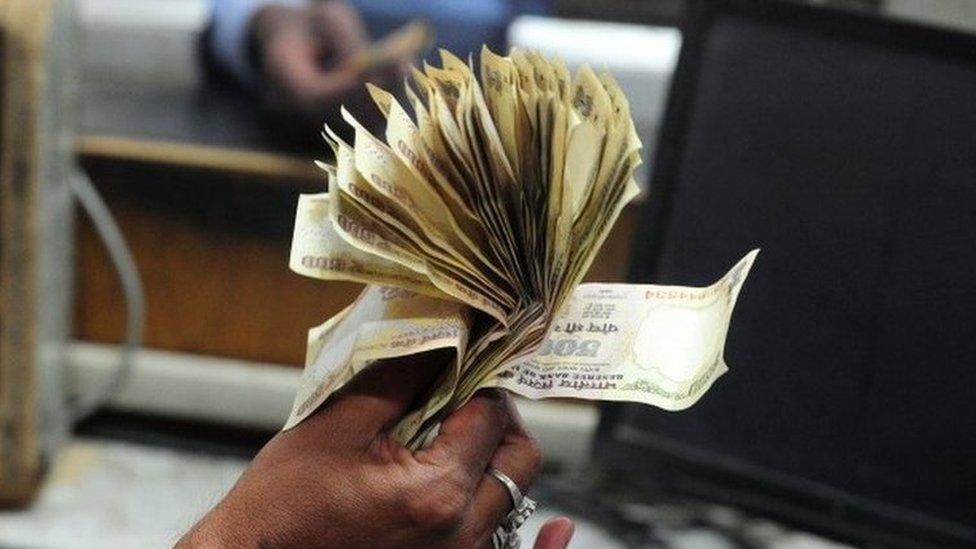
[383,322]
[659,345]
[318,251]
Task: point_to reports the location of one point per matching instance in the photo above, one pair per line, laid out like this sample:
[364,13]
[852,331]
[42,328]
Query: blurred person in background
[291,52]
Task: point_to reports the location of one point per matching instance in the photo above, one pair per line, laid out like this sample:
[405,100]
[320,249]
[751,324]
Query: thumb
[555,534]
[378,396]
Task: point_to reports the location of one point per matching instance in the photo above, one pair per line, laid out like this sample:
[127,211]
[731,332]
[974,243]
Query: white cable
[125,267]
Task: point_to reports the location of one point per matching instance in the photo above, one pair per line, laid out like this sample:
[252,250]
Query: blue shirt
[460,26]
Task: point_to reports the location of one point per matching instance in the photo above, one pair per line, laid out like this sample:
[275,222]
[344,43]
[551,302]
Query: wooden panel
[213,253]
[614,259]
[216,282]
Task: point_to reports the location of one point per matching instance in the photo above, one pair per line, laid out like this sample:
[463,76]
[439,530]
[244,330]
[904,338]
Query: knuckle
[489,414]
[495,410]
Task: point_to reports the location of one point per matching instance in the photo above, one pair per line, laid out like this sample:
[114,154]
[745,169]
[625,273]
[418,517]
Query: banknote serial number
[569,347]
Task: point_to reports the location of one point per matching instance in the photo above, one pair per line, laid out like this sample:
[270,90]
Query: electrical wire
[125,267]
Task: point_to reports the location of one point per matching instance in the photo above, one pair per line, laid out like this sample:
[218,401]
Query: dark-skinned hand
[338,480]
[300,55]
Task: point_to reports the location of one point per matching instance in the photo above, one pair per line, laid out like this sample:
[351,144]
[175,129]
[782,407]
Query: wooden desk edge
[243,161]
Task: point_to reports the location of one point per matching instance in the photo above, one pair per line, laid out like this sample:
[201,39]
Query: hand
[338,480]
[300,58]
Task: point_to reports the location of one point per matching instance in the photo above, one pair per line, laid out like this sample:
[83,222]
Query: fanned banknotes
[473,219]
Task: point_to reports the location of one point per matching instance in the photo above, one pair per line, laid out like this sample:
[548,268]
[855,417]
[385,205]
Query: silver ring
[506,537]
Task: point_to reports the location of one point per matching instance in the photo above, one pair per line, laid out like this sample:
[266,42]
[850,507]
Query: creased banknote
[660,345]
[472,218]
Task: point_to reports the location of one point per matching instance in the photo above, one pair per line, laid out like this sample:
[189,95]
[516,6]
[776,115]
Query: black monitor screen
[850,159]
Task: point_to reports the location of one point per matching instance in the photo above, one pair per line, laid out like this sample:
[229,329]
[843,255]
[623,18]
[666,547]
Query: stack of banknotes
[473,219]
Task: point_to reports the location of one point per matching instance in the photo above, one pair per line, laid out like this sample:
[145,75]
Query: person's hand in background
[301,56]
[338,480]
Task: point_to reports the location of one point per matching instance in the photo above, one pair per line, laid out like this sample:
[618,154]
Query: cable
[125,267]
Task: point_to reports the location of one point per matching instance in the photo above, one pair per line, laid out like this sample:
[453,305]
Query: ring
[506,537]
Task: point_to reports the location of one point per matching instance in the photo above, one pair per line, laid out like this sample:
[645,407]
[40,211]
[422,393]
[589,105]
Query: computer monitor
[844,146]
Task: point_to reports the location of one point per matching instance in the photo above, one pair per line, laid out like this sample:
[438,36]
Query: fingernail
[566,530]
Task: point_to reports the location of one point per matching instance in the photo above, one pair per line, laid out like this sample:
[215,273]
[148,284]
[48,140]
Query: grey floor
[109,494]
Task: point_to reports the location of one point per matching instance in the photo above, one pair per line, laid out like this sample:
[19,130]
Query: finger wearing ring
[505,536]
[499,503]
[522,506]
